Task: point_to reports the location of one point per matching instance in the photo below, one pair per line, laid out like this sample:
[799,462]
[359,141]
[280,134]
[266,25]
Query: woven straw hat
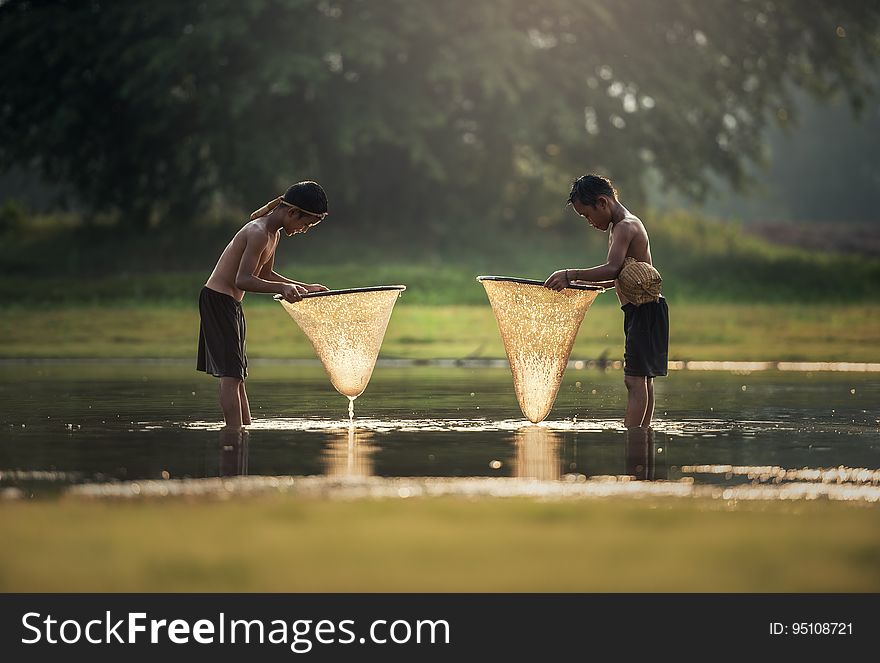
[639,282]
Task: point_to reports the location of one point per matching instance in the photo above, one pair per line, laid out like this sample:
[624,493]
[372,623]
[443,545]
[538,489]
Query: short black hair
[587,188]
[308,196]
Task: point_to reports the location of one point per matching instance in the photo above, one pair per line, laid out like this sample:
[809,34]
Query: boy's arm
[246,279]
[602,284]
[268,274]
[601,274]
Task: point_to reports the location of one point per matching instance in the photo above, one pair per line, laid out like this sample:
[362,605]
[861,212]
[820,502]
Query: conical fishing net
[346,328]
[538,327]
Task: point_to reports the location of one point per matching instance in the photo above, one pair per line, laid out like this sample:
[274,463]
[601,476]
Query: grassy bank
[284,544]
[702,260]
[698,331]
[76,291]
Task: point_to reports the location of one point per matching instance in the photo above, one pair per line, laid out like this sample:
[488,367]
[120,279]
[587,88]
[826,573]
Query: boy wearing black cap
[630,271]
[246,265]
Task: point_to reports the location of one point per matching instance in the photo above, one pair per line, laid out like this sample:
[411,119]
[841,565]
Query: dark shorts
[221,336]
[647,339]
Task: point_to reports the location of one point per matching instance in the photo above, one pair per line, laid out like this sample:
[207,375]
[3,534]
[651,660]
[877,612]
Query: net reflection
[349,454]
[537,454]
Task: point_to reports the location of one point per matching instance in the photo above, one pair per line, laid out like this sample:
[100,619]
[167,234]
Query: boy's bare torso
[222,279]
[639,247]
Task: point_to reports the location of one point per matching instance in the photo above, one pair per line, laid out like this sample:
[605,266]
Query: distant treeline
[408,111]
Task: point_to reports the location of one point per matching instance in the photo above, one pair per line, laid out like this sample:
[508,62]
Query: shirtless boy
[646,325]
[246,265]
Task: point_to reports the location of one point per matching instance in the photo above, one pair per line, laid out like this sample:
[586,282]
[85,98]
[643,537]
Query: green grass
[75,291]
[281,543]
[702,260]
[698,331]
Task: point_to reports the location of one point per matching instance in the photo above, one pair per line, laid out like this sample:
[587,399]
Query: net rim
[513,279]
[348,291]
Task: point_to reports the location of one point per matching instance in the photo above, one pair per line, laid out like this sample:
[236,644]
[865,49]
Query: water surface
[85,423]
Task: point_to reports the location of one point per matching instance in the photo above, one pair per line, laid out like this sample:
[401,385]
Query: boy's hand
[316,287]
[292,293]
[558,280]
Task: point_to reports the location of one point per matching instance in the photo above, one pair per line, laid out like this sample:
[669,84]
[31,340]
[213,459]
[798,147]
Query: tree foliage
[409,109]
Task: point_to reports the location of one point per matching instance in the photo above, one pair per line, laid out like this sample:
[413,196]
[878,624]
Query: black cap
[308,196]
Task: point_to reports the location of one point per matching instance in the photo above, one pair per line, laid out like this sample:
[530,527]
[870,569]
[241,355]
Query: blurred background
[135,138]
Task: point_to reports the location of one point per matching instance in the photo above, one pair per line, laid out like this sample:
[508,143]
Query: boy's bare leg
[245,406]
[637,400]
[230,402]
[649,410]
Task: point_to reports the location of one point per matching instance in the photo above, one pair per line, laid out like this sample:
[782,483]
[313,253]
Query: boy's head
[593,198]
[304,205]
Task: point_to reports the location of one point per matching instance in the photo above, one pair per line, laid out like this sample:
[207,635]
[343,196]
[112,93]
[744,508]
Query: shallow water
[88,423]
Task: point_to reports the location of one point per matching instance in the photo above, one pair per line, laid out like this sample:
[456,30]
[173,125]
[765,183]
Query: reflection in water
[233,452]
[641,454]
[350,454]
[110,429]
[537,454]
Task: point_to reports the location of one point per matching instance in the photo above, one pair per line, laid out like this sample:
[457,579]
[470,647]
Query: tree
[408,108]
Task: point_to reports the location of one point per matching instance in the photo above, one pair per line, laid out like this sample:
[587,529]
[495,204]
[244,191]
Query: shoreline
[494,362]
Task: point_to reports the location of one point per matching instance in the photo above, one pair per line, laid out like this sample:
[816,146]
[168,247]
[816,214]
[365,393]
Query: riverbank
[699,331]
[442,544]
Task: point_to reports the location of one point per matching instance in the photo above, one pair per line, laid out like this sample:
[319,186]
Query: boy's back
[639,247]
[223,277]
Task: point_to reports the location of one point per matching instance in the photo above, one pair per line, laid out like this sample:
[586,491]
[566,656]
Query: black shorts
[221,336]
[647,339]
